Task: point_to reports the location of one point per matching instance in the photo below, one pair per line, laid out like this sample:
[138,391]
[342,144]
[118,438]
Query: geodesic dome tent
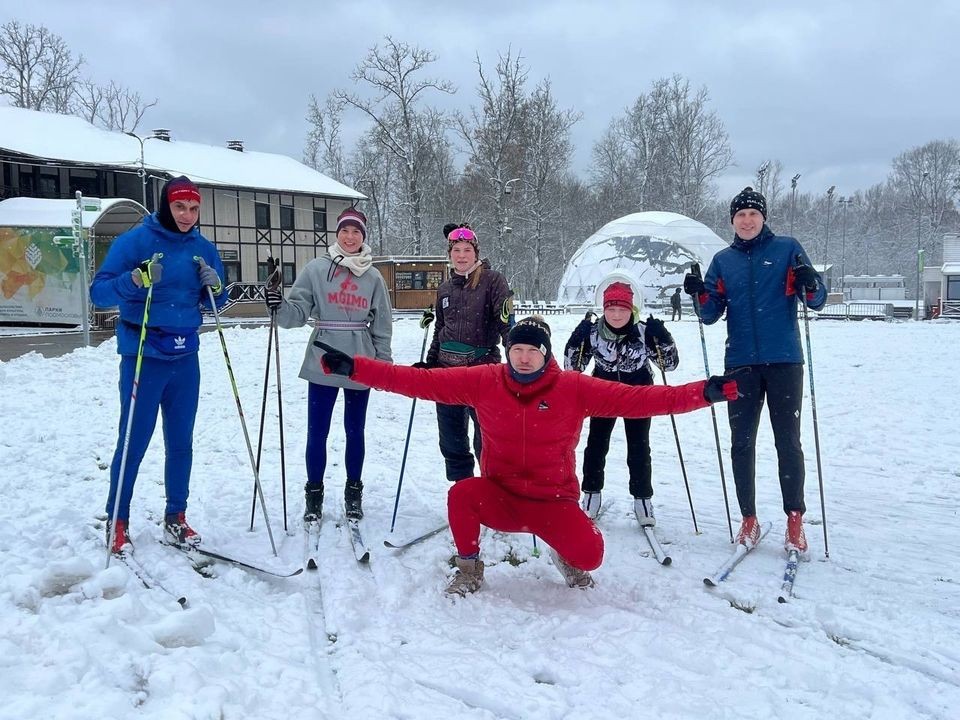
[655,248]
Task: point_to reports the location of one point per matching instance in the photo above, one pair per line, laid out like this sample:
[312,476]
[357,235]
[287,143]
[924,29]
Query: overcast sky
[833,89]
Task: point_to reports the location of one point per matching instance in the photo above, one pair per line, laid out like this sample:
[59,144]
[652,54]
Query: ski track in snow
[871,632]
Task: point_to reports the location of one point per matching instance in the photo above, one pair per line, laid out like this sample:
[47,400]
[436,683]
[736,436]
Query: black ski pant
[638,451]
[453,426]
[676,313]
[782,386]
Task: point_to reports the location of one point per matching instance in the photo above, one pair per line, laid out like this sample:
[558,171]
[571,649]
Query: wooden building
[254,205]
[413,281]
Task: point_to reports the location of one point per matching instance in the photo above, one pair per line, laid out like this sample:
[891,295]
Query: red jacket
[530,432]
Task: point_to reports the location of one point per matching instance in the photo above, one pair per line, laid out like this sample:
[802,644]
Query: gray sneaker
[643,507]
[575,577]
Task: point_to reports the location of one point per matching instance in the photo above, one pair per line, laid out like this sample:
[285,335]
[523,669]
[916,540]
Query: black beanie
[746,199]
[532,330]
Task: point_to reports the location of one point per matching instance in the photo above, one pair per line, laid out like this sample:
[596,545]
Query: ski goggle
[462,234]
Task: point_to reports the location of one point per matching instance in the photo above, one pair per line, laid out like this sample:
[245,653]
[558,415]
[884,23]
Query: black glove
[590,317]
[333,361]
[274,297]
[720,388]
[656,333]
[424,365]
[805,278]
[426,318]
[693,285]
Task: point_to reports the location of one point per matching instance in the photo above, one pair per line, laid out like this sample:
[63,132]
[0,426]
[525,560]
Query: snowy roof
[656,248]
[114,216]
[74,140]
[950,269]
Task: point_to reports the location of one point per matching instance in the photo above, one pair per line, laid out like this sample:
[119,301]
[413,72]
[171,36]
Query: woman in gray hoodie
[348,298]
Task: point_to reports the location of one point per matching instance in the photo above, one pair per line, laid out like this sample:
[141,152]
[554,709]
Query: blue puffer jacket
[175,307]
[753,281]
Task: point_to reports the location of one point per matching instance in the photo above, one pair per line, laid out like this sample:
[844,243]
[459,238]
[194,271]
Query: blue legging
[320,401]
[172,386]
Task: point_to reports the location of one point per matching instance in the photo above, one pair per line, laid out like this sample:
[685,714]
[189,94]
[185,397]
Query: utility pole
[793,200]
[826,242]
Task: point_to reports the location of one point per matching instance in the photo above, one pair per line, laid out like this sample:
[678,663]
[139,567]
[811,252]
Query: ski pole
[273,281]
[676,437]
[133,404]
[263,415]
[695,270]
[425,321]
[243,420]
[813,406]
[283,457]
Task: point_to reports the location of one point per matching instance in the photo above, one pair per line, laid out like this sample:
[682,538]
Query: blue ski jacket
[174,317]
[752,280]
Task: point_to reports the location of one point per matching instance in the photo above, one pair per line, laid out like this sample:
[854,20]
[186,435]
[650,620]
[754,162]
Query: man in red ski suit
[530,413]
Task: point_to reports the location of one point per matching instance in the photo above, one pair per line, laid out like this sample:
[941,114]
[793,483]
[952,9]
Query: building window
[85,181]
[320,219]
[419,279]
[232,272]
[289,274]
[261,213]
[49,186]
[953,287]
[262,272]
[286,217]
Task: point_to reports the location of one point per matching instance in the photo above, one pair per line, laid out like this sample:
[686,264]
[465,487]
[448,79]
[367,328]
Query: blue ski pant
[173,388]
[320,402]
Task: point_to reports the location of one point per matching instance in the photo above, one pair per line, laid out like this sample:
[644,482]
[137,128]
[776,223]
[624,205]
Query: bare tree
[324,150]
[547,140]
[391,72]
[491,133]
[123,108]
[697,148]
[37,69]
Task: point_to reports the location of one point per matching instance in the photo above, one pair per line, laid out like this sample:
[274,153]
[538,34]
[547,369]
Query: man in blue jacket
[757,281]
[163,251]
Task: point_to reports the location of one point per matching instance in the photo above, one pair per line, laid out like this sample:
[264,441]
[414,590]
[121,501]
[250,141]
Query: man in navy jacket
[757,281]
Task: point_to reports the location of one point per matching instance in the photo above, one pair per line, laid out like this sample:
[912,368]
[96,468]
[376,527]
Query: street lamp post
[761,173]
[826,242]
[916,302]
[793,200]
[844,203]
[503,188]
[142,172]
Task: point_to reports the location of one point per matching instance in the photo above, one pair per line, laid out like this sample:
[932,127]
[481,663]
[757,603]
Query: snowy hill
[871,632]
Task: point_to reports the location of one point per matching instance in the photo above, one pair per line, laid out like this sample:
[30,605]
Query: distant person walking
[675,305]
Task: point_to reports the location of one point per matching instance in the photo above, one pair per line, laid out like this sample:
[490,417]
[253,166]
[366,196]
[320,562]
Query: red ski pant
[560,523]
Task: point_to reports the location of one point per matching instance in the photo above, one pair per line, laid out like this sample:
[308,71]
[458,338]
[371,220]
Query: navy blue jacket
[175,307]
[753,281]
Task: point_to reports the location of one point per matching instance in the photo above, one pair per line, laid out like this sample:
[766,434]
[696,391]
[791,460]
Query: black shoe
[313,510]
[353,499]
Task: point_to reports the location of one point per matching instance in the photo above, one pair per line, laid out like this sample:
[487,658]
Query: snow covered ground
[871,633]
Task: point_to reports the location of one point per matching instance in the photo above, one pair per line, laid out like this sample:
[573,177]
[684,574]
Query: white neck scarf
[467,273]
[358,264]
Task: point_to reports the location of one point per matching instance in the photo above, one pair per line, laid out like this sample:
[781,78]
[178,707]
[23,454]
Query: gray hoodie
[352,313]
